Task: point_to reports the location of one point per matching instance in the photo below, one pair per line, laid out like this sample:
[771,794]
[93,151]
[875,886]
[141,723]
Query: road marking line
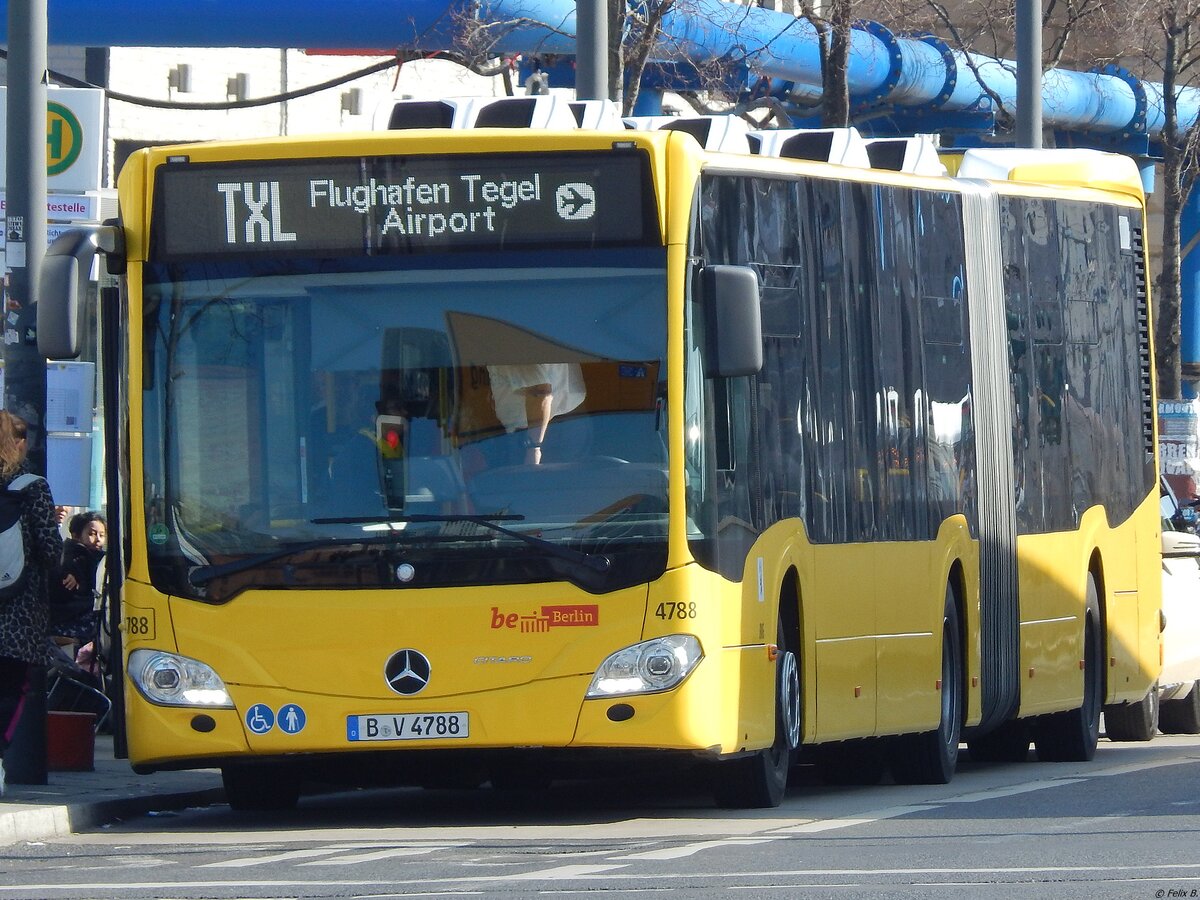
[557,873]
[244,861]
[819,825]
[1011,790]
[353,858]
[1143,766]
[690,849]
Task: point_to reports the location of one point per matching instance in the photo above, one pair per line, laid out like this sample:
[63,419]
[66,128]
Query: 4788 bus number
[677,610]
[140,625]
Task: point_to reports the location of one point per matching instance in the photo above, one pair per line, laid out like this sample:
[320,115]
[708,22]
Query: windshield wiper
[595,562]
[204,574]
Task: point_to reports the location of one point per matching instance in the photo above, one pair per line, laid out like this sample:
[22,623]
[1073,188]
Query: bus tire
[931,757]
[1133,721]
[1182,715]
[1071,736]
[1008,743]
[260,788]
[758,780]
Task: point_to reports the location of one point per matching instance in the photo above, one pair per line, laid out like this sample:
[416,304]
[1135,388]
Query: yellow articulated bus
[505,454]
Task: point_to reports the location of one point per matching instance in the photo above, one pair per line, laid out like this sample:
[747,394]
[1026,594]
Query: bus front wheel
[758,780]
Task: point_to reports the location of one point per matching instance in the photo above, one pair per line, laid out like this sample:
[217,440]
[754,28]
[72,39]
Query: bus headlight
[647,668]
[172,680]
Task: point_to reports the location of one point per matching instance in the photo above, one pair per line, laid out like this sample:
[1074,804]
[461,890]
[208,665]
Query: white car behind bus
[1179,685]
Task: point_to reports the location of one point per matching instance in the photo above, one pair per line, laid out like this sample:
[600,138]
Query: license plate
[408,727]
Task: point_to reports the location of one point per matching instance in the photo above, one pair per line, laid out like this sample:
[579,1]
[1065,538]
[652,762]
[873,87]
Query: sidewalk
[73,801]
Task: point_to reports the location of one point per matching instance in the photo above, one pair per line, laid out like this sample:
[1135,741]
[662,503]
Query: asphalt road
[1126,825]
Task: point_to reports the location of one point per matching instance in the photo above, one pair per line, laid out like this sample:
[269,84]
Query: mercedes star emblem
[407,672]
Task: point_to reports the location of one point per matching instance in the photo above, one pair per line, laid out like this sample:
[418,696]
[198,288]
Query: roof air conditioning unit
[596,115]
[397,115]
[844,146]
[545,111]
[726,134]
[915,155]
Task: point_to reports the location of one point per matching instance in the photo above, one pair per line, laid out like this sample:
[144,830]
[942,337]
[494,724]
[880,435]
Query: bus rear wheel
[260,788]
[1071,736]
[758,780]
[1181,716]
[931,757]
[1133,721]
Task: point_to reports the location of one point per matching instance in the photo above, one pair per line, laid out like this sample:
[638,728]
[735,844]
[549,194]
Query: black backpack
[13,570]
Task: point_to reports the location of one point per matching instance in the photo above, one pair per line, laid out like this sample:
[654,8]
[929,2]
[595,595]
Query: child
[73,598]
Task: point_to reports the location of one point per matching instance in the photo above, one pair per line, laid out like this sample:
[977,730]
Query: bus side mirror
[62,286]
[734,320]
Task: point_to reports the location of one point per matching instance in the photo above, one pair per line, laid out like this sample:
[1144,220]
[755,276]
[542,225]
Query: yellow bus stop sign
[64,138]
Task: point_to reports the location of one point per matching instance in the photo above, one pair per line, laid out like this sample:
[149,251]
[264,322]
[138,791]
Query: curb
[37,823]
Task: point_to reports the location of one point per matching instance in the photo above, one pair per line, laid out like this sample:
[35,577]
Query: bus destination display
[381,205]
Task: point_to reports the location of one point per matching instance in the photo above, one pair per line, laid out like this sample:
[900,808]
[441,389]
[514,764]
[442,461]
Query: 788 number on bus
[677,610]
[140,625]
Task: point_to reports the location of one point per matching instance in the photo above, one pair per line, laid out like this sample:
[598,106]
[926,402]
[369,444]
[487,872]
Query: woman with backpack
[24,609]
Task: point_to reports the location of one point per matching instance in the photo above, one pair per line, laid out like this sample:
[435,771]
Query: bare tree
[632,45]
[833,32]
[478,37]
[1172,51]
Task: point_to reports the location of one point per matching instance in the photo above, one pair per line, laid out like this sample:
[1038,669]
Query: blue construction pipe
[914,73]
[1187,107]
[1189,279]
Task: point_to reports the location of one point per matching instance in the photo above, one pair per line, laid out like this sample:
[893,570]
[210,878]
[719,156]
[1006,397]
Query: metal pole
[1029,73]
[25,246]
[591,50]
[111,353]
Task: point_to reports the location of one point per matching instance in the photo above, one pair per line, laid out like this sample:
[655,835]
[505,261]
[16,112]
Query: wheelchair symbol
[260,718]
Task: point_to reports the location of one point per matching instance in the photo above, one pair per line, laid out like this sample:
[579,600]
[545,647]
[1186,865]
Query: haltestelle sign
[64,138]
[74,138]
[66,207]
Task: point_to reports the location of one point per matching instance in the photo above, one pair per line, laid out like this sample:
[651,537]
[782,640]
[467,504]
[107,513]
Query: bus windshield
[299,405]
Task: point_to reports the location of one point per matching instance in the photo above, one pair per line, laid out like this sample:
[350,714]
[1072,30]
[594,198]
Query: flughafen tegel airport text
[254,210]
